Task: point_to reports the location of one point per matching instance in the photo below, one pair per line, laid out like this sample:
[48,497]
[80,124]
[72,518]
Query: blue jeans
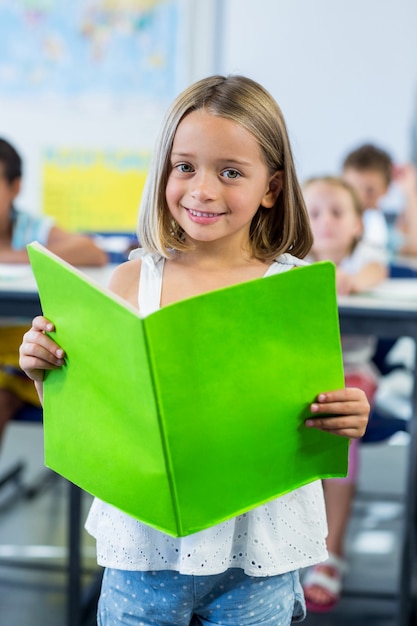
[166,598]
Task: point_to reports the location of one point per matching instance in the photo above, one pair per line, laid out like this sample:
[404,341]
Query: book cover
[195,413]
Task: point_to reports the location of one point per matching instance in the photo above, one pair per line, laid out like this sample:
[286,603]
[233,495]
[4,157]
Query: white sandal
[330,583]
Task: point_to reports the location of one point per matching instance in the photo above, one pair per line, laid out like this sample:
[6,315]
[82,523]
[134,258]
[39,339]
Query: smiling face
[335,222]
[218,180]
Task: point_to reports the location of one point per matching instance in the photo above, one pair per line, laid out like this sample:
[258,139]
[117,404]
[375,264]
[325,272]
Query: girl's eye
[230,173]
[186,168]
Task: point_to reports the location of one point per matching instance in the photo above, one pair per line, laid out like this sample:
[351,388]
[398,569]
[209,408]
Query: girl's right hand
[39,352]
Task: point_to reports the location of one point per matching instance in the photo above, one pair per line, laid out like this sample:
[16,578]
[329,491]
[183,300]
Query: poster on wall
[89,48]
[94,190]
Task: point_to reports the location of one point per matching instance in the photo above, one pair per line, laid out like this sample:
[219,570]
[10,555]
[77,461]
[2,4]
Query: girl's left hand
[343,412]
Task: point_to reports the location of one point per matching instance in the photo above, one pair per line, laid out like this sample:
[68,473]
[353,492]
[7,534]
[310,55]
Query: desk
[19,298]
[391,312]
[18,291]
[404,261]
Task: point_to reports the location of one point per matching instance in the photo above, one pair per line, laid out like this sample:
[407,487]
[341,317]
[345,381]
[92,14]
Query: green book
[195,413]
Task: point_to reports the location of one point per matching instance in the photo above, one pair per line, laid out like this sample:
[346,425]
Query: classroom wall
[342,72]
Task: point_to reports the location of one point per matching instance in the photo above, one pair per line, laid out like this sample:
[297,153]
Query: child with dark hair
[17,229]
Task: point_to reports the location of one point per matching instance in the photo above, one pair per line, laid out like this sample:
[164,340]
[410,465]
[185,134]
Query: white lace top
[283,535]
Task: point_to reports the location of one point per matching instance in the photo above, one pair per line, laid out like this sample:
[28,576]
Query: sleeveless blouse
[283,535]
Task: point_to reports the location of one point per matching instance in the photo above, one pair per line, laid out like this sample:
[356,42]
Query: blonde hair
[285,227]
[336,181]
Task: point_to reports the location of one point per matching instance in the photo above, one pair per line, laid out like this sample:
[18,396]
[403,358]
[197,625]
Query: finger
[43,349]
[353,408]
[32,363]
[35,337]
[346,393]
[349,426]
[42,324]
[349,433]
[347,401]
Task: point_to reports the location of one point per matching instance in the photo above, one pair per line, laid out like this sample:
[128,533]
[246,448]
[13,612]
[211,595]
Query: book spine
[164,438]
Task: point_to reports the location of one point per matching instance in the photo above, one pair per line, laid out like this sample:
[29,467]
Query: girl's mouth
[203,217]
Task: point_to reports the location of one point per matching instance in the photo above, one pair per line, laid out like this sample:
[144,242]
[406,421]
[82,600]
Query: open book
[195,413]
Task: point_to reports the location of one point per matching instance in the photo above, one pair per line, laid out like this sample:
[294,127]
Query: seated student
[370,170]
[17,229]
[336,220]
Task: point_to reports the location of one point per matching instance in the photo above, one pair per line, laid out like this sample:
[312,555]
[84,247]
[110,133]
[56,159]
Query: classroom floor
[33,532]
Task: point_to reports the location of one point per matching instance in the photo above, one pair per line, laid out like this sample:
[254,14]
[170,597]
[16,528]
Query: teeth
[200,214]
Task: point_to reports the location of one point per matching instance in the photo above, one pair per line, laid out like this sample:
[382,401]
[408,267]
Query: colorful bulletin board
[94,190]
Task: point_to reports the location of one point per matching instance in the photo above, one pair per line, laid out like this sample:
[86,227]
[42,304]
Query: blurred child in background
[370,170]
[17,229]
[336,219]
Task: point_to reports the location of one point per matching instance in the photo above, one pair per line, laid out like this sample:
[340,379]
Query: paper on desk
[196,413]
[11,271]
[396,288]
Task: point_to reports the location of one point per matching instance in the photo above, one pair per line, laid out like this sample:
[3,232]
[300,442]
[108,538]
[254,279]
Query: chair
[81,603]
[401,271]
[382,426]
[14,475]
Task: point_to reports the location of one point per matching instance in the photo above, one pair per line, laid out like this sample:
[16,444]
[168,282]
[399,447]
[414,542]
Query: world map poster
[82,47]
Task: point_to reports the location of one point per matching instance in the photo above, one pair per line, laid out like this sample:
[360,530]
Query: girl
[336,219]
[222,205]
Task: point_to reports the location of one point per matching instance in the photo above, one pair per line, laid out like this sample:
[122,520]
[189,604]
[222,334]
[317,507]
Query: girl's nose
[203,187]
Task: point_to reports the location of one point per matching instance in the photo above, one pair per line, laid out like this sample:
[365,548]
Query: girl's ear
[275,185]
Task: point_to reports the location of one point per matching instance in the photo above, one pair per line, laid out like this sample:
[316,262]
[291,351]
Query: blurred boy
[17,229]
[370,171]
